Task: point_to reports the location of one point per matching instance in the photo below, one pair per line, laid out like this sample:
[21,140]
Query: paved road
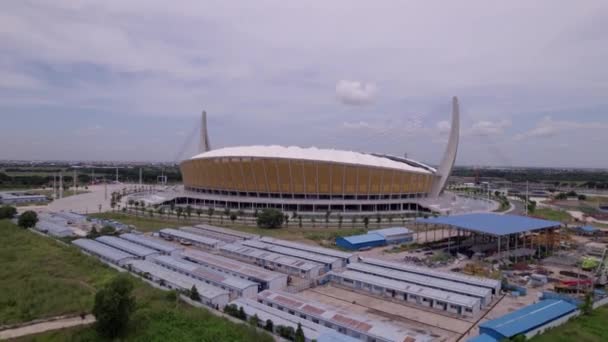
[37,328]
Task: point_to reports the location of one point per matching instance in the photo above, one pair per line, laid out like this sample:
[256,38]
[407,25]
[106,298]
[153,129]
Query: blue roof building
[526,320]
[588,230]
[493,224]
[357,242]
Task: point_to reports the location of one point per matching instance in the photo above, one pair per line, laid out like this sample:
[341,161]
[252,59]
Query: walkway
[52,324]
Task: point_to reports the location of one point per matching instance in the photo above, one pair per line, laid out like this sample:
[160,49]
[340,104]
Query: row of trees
[289,333]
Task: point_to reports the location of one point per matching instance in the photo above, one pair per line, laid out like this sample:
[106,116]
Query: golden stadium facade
[311,180]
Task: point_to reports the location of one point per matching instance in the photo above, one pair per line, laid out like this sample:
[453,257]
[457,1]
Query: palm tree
[340,218]
[353,221]
[378,220]
[286,220]
[300,221]
[199,212]
[227,213]
[160,211]
[179,212]
[366,221]
[233,217]
[189,211]
[327,214]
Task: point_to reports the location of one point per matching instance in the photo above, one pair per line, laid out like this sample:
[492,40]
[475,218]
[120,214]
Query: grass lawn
[551,214]
[591,328]
[42,278]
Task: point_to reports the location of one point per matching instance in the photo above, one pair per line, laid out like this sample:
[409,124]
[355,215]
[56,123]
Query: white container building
[236,286]
[54,229]
[493,284]
[210,295]
[266,278]
[345,257]
[329,262]
[104,252]
[210,234]
[356,326]
[127,246]
[196,240]
[395,235]
[273,261]
[406,292]
[482,293]
[162,246]
[226,231]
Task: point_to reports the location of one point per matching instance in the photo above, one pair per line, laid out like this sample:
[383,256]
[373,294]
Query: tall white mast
[204,144]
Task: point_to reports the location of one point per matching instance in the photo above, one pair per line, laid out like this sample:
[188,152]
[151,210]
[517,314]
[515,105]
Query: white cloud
[548,127]
[488,128]
[355,92]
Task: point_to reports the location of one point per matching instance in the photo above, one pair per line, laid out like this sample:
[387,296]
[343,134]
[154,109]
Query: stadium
[312,180]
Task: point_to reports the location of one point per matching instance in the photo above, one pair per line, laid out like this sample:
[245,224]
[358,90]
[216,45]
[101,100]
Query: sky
[127,80]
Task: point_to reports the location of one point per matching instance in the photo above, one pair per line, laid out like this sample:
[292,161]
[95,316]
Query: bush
[7,212]
[107,230]
[270,218]
[28,219]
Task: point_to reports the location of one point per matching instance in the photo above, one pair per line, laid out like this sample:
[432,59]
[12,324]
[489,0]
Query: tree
[286,220]
[179,211]
[366,221]
[194,295]
[582,197]
[300,221]
[107,230]
[233,217]
[28,219]
[286,332]
[93,234]
[353,220]
[269,325]
[242,315]
[299,335]
[531,206]
[7,212]
[113,307]
[199,212]
[327,215]
[587,305]
[270,218]
[189,211]
[340,219]
[226,212]
[254,320]
[210,212]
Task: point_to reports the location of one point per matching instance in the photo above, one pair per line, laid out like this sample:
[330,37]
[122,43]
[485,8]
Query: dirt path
[37,328]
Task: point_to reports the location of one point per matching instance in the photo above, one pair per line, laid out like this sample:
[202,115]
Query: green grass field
[43,278]
[40,277]
[593,328]
[551,214]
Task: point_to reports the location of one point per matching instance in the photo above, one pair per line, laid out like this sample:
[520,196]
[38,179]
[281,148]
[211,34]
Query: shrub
[270,218]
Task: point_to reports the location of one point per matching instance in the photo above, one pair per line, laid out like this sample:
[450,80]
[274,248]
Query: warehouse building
[211,235]
[210,295]
[149,242]
[312,331]
[408,293]
[226,231]
[11,198]
[104,252]
[345,257]
[360,242]
[53,229]
[273,261]
[529,321]
[189,238]
[492,284]
[395,235]
[346,323]
[265,278]
[329,262]
[127,246]
[483,294]
[236,286]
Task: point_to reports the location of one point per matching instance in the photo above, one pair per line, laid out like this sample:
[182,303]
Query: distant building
[13,198]
[357,242]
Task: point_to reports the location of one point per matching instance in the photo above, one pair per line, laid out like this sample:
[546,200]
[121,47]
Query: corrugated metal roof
[589,229]
[364,238]
[463,278]
[205,273]
[239,267]
[441,284]
[311,153]
[290,252]
[388,232]
[53,227]
[334,336]
[126,246]
[226,231]
[205,290]
[211,235]
[448,297]
[102,250]
[529,317]
[189,236]
[482,338]
[269,256]
[494,224]
[308,248]
[150,242]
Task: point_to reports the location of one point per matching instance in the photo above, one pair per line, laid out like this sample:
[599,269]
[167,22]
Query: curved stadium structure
[311,180]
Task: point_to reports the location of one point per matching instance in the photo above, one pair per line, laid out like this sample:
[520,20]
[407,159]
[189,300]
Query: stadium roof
[494,224]
[311,153]
[529,317]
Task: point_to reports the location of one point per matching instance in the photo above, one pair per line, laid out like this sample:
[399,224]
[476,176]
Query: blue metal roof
[364,238]
[334,336]
[494,224]
[529,317]
[482,338]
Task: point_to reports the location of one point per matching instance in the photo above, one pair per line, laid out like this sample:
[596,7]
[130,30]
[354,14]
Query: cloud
[547,127]
[355,93]
[488,128]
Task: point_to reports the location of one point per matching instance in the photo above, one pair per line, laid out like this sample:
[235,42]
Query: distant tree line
[555,177]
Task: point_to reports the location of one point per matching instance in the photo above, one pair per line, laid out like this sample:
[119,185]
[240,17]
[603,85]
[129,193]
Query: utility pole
[93,176]
[140,176]
[74,179]
[55,185]
[527,198]
[61,185]
[117,175]
[105,188]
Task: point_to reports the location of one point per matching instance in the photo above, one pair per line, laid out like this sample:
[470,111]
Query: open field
[43,278]
[551,214]
[591,328]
